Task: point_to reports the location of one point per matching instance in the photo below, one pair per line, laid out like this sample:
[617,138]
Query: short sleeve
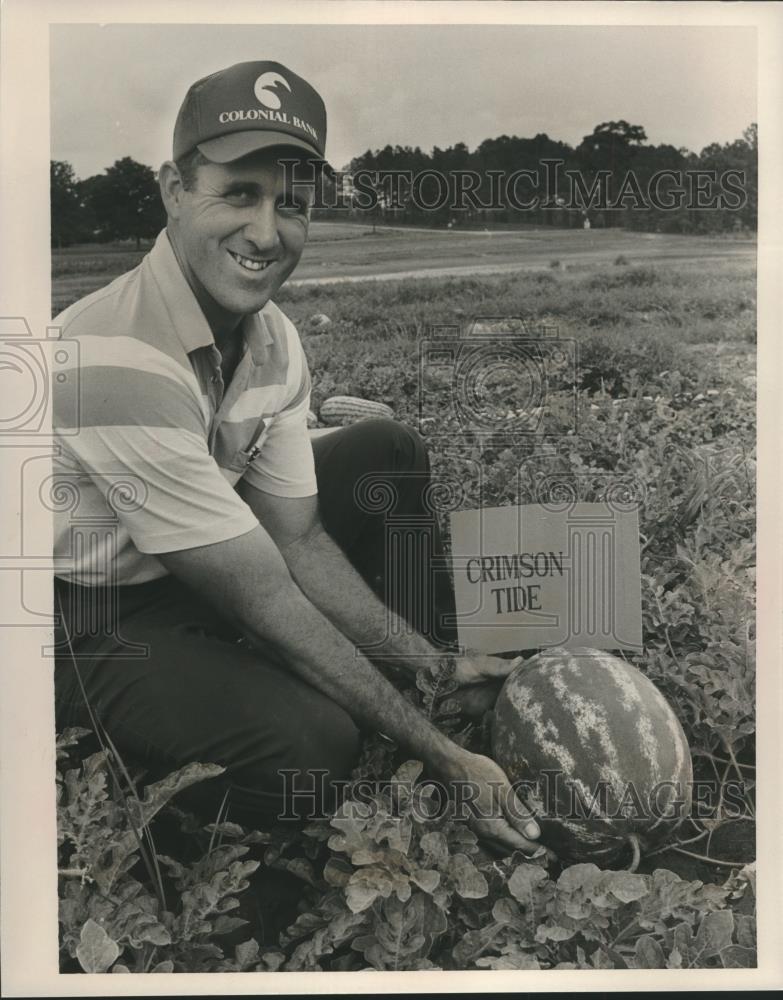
[285,466]
[148,433]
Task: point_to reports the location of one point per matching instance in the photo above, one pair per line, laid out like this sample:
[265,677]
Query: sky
[116,89]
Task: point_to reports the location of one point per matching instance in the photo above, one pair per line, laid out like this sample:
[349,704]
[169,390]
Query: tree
[740,155]
[609,151]
[125,200]
[611,146]
[64,202]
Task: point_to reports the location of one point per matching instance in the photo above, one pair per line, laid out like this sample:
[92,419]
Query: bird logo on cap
[264,92]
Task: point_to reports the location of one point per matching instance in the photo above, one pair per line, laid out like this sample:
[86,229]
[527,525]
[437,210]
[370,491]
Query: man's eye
[239,197]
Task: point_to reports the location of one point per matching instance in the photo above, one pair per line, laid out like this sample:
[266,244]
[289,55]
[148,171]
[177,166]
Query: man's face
[240,231]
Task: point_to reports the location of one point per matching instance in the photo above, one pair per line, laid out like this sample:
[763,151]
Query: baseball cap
[247,107]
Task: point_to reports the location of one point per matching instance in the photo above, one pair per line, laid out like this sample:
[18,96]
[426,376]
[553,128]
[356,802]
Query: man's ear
[171,188]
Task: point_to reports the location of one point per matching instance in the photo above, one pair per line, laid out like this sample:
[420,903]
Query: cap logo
[264,92]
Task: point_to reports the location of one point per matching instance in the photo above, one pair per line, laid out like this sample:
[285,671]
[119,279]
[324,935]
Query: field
[352,252]
[665,329]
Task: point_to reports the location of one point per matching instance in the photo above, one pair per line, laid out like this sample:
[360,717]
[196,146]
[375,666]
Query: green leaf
[155,934]
[627,887]
[554,932]
[506,911]
[165,966]
[600,959]
[434,847]
[403,781]
[674,961]
[714,934]
[524,881]
[300,867]
[337,872]
[96,951]
[408,773]
[649,954]
[246,953]
[682,941]
[737,957]
[749,873]
[514,959]
[271,961]
[160,792]
[745,930]
[426,878]
[582,876]
[398,933]
[68,738]
[468,880]
[365,887]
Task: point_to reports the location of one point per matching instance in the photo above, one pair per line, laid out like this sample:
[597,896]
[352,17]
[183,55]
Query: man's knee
[391,445]
[323,740]
[411,447]
[321,752]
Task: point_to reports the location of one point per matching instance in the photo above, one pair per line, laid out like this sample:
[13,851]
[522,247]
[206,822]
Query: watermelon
[595,749]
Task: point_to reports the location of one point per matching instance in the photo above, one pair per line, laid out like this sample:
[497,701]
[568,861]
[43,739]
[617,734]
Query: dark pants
[199,695]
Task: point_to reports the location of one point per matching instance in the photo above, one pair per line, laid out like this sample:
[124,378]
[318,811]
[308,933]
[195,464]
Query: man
[191,443]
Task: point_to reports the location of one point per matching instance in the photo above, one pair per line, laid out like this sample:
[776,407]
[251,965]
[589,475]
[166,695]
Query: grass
[642,318]
[352,251]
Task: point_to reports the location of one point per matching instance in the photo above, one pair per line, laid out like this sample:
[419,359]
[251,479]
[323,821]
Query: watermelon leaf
[96,951]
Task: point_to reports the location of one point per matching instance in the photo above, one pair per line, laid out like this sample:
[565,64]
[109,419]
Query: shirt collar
[185,313]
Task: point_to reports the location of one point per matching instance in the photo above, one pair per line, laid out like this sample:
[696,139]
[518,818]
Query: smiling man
[217,612]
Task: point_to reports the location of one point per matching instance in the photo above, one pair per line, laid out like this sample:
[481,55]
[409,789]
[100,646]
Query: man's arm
[248,581]
[324,573]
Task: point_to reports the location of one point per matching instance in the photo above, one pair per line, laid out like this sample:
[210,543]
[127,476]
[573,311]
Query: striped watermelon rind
[587,727]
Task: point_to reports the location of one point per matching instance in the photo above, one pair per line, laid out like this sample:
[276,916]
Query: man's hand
[476,699]
[498,817]
[475,668]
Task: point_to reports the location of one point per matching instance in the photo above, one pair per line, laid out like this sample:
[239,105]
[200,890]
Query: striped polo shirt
[149,457]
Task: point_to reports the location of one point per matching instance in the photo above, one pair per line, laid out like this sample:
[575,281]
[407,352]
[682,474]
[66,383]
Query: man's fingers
[476,699]
[510,839]
[531,830]
[501,667]
[522,818]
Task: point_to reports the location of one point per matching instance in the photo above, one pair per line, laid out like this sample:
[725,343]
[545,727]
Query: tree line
[613,177]
[633,184]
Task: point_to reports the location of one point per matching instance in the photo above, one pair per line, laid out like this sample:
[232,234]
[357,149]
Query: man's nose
[261,227]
